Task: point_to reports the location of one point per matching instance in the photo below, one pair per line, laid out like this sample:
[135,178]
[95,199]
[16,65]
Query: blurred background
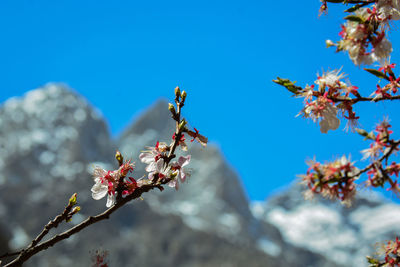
[105,70]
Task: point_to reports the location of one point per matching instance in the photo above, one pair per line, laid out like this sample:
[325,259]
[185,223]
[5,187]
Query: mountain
[344,235]
[51,140]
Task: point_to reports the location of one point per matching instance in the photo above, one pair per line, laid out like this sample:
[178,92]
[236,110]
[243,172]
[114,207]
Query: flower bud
[75,210]
[171,108]
[182,125]
[183,96]
[119,157]
[329,43]
[72,200]
[177,91]
[362,132]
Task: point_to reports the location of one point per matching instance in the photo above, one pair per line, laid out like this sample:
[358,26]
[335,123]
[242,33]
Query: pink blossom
[179,171]
[324,111]
[159,169]
[105,184]
[152,156]
[333,180]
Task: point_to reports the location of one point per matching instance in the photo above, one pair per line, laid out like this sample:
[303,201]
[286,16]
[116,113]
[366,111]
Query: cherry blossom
[152,155]
[324,111]
[363,36]
[179,171]
[105,184]
[388,9]
[158,169]
[334,180]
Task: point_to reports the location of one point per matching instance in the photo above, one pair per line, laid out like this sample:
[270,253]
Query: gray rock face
[50,139]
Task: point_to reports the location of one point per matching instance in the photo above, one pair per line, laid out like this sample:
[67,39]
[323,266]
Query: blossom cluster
[390,89]
[107,182]
[380,148]
[332,96]
[364,38]
[391,252]
[334,180]
[364,33]
[159,169]
[319,104]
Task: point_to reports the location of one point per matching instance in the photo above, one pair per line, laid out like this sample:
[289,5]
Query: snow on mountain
[344,235]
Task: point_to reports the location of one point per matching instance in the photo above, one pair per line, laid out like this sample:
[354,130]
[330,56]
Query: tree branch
[32,250]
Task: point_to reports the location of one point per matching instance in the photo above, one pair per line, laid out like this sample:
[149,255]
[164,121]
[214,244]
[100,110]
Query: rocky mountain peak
[344,235]
[51,127]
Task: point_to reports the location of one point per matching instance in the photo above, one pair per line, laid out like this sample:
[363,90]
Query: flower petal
[174,183]
[99,191]
[110,200]
[183,161]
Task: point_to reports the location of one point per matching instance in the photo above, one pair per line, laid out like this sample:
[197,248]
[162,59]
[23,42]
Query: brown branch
[385,156]
[10,254]
[180,102]
[351,1]
[32,250]
[178,132]
[363,99]
[51,224]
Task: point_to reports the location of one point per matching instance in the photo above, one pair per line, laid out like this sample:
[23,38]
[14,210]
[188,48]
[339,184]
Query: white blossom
[180,171]
[329,119]
[388,9]
[105,182]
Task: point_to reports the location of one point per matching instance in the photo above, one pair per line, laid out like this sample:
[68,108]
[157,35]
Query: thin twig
[52,224]
[351,1]
[28,253]
[363,99]
[381,159]
[10,254]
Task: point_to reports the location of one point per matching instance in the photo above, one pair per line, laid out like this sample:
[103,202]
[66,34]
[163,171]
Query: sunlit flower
[151,156]
[329,118]
[159,169]
[324,111]
[388,9]
[382,49]
[179,171]
[372,152]
[105,184]
[329,79]
[366,44]
[334,180]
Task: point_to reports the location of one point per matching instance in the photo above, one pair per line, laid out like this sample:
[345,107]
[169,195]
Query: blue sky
[124,55]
